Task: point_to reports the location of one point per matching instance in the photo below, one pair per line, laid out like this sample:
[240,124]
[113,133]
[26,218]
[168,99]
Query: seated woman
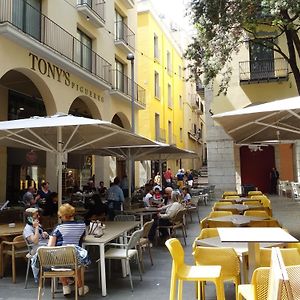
[148,199]
[33,232]
[186,196]
[69,232]
[51,206]
[96,210]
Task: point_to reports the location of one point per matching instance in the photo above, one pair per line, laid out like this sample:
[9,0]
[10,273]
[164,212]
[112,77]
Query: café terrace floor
[156,279]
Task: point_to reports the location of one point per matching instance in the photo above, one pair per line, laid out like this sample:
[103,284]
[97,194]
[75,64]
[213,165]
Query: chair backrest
[216,224]
[229,193]
[264,223]
[176,252]
[208,232]
[290,256]
[223,203]
[121,218]
[134,239]
[256,213]
[253,193]
[60,256]
[219,213]
[178,218]
[20,242]
[226,257]
[252,202]
[147,226]
[232,197]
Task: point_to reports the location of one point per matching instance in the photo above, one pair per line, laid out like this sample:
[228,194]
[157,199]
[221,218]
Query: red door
[256,166]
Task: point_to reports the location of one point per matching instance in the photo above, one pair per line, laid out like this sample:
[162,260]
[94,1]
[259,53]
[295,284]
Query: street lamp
[130,56]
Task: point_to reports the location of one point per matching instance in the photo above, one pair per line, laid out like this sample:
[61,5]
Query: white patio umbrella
[277,120]
[62,134]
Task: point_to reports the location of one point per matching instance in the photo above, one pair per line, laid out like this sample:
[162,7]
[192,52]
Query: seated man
[164,219]
[28,197]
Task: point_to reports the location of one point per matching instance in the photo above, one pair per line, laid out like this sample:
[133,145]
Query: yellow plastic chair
[216,224]
[204,223]
[292,245]
[290,256]
[222,203]
[254,193]
[266,209]
[182,272]
[219,213]
[232,197]
[264,223]
[252,202]
[204,234]
[229,193]
[226,257]
[256,213]
[265,201]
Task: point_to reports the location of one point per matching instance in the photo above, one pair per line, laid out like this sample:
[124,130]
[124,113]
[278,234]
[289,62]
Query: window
[170,132]
[84,50]
[180,102]
[170,102]
[119,76]
[157,127]
[26,15]
[169,66]
[156,85]
[261,60]
[119,26]
[181,134]
[156,53]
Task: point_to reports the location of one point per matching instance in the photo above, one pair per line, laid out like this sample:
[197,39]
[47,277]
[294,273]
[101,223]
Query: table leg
[123,240]
[253,256]
[103,273]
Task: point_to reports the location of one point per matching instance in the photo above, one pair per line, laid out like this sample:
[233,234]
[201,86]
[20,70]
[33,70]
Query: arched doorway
[23,99]
[256,164]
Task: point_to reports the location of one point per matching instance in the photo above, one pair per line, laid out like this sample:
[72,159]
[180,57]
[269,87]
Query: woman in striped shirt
[69,232]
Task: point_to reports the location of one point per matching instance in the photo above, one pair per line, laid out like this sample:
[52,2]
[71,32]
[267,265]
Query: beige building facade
[67,57]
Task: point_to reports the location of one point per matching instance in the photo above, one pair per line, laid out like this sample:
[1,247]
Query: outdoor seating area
[159,263]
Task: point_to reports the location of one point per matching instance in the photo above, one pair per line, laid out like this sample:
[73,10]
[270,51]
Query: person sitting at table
[102,189]
[186,196]
[148,199]
[115,198]
[96,210]
[33,232]
[51,205]
[43,192]
[164,219]
[70,232]
[167,195]
[157,196]
[28,198]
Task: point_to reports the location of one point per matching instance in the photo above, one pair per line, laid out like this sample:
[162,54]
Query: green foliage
[223,25]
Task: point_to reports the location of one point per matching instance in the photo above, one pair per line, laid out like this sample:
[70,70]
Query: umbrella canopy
[62,134]
[273,121]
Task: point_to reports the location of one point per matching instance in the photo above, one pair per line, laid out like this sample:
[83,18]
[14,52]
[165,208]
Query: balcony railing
[160,135]
[42,29]
[263,70]
[94,10]
[124,35]
[122,84]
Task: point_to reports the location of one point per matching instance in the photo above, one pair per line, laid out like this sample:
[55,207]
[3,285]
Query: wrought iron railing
[263,70]
[97,6]
[122,83]
[38,26]
[124,33]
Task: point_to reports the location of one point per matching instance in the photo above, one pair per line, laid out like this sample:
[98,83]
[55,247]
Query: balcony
[257,71]
[93,10]
[195,102]
[121,89]
[200,109]
[128,3]
[195,135]
[33,30]
[160,135]
[124,37]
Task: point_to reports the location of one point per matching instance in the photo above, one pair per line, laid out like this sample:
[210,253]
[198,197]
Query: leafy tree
[223,25]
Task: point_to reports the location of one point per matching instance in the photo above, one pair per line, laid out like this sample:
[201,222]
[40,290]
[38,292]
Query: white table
[238,220]
[112,231]
[253,236]
[143,211]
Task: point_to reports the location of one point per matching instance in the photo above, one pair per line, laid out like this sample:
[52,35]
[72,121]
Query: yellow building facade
[161,72]
[69,57]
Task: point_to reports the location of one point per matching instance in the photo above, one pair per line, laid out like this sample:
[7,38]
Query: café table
[7,231]
[112,231]
[238,220]
[142,211]
[253,236]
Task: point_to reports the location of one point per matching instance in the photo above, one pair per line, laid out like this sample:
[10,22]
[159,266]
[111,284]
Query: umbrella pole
[160,171]
[59,165]
[129,175]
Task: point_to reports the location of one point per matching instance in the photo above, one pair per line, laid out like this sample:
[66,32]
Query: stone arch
[85,106]
[31,80]
[121,120]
